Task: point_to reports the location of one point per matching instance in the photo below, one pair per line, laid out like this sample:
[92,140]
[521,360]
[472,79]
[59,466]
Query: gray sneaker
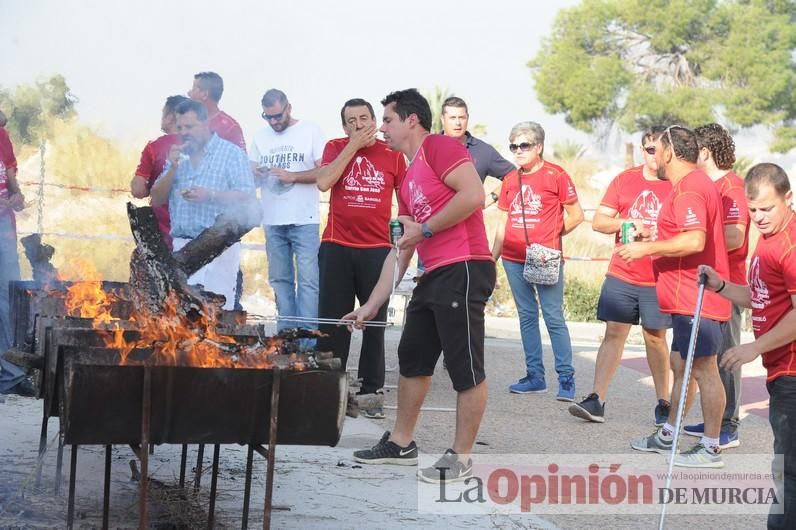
[652,444]
[699,456]
[447,469]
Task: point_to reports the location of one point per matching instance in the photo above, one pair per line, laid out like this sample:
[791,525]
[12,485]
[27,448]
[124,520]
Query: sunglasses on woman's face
[650,149]
[524,147]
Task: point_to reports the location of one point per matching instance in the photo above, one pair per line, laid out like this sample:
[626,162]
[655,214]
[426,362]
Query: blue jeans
[295,286]
[9,271]
[551,298]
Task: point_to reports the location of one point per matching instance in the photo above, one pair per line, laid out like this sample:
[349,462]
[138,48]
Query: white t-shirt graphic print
[294,149]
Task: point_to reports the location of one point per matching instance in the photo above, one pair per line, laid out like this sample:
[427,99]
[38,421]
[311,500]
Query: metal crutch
[689,361]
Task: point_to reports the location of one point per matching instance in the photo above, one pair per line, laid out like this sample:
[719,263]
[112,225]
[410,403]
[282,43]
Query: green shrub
[580,299]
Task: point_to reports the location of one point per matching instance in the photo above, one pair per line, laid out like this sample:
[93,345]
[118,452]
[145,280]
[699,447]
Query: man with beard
[362,173]
[284,156]
[205,176]
[628,293]
[690,234]
[153,159]
[716,157]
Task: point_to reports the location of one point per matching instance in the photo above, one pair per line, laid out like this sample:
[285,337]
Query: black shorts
[446,314]
[624,302]
[709,338]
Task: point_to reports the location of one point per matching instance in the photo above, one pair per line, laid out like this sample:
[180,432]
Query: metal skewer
[334,321]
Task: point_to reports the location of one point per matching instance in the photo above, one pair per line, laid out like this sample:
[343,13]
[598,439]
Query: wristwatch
[427,233]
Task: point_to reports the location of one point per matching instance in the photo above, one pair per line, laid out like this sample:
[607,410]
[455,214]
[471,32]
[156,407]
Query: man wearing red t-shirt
[208,87]
[11,200]
[440,203]
[716,158]
[362,173]
[153,158]
[771,294]
[628,294]
[690,234]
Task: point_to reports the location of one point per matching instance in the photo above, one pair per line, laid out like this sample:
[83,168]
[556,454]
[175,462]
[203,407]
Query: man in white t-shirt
[284,157]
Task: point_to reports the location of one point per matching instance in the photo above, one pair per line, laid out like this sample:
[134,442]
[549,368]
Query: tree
[634,63]
[31,109]
[436,98]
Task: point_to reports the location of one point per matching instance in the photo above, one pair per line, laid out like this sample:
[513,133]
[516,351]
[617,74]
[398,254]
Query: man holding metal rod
[362,173]
[440,203]
[690,234]
[771,293]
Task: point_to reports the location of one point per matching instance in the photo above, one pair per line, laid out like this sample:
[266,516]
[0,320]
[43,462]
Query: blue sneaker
[694,430]
[727,440]
[662,412]
[566,388]
[530,384]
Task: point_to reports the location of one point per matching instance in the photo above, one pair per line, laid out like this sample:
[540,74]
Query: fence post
[40,218]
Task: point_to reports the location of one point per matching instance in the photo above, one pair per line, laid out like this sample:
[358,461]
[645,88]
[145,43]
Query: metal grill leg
[269,476]
[59,463]
[70,513]
[143,515]
[247,489]
[183,459]
[211,512]
[198,474]
[42,447]
[106,494]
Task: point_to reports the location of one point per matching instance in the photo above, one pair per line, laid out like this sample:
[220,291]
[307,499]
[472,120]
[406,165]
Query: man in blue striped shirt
[205,176]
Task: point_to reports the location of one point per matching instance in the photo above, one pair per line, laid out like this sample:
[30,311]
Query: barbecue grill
[104,396]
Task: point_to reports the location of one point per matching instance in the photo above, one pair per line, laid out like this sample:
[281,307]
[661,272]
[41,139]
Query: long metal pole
[689,361]
[272,434]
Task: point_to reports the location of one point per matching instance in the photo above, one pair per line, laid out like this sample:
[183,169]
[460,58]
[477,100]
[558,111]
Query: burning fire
[168,338]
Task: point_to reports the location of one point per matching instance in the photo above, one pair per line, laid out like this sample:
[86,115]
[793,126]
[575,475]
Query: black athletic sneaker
[589,409]
[387,452]
[662,412]
[447,469]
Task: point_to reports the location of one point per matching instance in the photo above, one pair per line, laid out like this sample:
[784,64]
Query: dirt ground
[321,487]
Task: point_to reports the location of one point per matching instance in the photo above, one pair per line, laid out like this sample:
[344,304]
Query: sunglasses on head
[524,147]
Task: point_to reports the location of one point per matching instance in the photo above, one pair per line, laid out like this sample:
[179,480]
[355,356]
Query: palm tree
[435,99]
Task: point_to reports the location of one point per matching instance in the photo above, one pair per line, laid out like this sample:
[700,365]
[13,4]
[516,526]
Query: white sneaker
[699,456]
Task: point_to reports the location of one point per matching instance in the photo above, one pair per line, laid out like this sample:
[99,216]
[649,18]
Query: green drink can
[628,233]
[396,231]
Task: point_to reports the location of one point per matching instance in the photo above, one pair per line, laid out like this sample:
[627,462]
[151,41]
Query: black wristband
[720,289]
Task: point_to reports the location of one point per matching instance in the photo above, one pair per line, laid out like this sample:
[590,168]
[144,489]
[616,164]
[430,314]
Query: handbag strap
[522,207]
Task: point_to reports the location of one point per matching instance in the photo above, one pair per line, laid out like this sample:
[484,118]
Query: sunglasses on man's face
[274,117]
[524,147]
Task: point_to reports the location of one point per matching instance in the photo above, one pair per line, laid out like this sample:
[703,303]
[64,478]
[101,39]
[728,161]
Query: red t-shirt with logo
[635,197]
[360,202]
[736,212]
[772,281]
[693,204]
[153,158]
[227,128]
[544,194]
[423,193]
[7,161]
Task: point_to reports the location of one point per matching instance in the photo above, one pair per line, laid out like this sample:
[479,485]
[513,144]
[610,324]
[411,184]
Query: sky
[122,58]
